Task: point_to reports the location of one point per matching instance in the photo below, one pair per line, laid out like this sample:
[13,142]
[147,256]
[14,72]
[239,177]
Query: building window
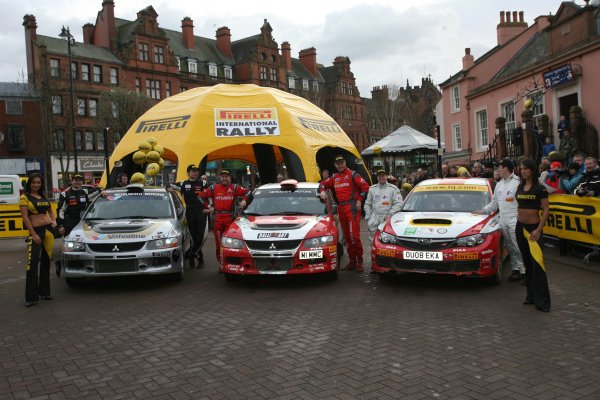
[54,68]
[97,73]
[78,140]
[212,69]
[59,139]
[100,140]
[114,76]
[344,88]
[57,108]
[507,110]
[292,82]
[114,110]
[457,137]
[153,89]
[228,72]
[80,106]
[74,72]
[178,63]
[455,99]
[167,89]
[263,73]
[347,112]
[274,74]
[159,55]
[89,140]
[482,127]
[14,107]
[85,72]
[138,86]
[182,89]
[192,67]
[304,84]
[143,52]
[16,137]
[538,103]
[315,86]
[93,107]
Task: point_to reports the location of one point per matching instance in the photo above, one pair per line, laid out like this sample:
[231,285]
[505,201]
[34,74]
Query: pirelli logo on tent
[164,124]
[242,122]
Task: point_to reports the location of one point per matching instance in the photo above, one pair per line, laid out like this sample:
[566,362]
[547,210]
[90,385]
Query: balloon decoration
[150,154]
[556,156]
[377,150]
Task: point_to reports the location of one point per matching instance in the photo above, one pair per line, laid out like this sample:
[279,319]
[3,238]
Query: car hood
[283,227]
[122,230]
[440,224]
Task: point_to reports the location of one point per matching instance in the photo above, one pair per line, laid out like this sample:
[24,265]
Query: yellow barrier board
[574,218]
[11,223]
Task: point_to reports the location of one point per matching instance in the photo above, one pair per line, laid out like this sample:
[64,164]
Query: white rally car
[286,229]
[436,232]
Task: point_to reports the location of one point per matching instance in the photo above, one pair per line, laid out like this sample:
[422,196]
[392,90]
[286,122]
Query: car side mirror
[180,212]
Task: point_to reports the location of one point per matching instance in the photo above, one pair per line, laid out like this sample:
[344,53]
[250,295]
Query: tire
[340,250]
[177,276]
[74,282]
[496,279]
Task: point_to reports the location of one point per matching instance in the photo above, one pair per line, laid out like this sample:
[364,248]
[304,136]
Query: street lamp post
[66,34]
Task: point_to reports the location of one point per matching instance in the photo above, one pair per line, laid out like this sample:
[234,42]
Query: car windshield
[446,200]
[285,202]
[131,205]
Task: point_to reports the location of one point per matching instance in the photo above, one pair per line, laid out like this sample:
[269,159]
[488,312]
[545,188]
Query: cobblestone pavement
[416,337]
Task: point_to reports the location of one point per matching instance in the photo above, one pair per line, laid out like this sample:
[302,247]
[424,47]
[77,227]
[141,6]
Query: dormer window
[212,69]
[292,82]
[304,84]
[228,72]
[192,66]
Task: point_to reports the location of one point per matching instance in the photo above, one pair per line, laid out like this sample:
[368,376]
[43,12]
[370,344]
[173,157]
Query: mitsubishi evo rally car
[286,229]
[436,232]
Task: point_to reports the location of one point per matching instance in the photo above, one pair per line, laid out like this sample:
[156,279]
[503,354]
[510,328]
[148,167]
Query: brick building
[551,62]
[140,56]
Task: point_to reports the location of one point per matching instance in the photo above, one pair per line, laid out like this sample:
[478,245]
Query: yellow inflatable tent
[246,122]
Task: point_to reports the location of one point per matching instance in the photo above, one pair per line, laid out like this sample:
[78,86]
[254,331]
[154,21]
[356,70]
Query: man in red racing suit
[223,197]
[350,190]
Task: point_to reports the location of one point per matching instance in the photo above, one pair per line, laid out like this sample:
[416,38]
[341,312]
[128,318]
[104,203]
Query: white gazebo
[404,149]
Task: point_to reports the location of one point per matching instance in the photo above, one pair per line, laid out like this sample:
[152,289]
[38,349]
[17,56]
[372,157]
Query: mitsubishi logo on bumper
[424,241]
[116,248]
[272,247]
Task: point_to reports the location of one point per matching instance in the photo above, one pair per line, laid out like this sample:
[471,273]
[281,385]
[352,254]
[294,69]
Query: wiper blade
[94,219]
[292,213]
[253,214]
[136,217]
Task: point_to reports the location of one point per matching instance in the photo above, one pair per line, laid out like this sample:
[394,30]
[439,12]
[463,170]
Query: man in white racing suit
[383,200]
[505,202]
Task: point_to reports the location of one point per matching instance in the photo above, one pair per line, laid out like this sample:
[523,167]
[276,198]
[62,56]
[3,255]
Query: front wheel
[496,279]
[177,276]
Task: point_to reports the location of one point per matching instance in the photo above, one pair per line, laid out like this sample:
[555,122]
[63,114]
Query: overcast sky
[388,41]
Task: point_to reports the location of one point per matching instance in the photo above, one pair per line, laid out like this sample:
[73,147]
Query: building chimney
[88,33]
[187,32]
[468,60]
[509,28]
[30,25]
[286,53]
[108,15]
[308,58]
[224,41]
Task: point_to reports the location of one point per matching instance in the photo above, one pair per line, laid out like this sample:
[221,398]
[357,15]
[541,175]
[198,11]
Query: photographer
[552,180]
[568,181]
[590,182]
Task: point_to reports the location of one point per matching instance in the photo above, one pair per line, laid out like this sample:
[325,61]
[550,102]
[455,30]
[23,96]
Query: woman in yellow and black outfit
[38,218]
[532,197]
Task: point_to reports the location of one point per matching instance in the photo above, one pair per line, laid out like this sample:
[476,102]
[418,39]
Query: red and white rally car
[286,229]
[436,232]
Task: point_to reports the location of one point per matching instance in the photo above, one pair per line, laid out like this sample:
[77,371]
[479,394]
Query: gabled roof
[299,71]
[243,48]
[81,50]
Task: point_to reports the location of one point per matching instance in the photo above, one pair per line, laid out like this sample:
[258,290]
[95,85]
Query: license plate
[423,255]
[310,254]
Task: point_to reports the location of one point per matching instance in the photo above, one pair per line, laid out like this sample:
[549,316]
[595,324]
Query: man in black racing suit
[196,212]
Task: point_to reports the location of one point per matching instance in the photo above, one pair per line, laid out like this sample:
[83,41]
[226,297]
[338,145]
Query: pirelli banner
[11,222]
[574,218]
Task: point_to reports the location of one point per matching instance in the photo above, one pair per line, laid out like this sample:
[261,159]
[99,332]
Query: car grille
[110,247]
[113,266]
[273,264]
[437,266]
[431,245]
[266,244]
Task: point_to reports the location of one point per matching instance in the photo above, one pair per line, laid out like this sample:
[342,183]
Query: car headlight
[386,237]
[69,247]
[319,241]
[470,241]
[232,243]
[166,243]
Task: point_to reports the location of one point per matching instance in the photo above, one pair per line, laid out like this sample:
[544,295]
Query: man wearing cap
[505,203]
[72,203]
[224,196]
[383,201]
[196,211]
[552,181]
[350,190]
